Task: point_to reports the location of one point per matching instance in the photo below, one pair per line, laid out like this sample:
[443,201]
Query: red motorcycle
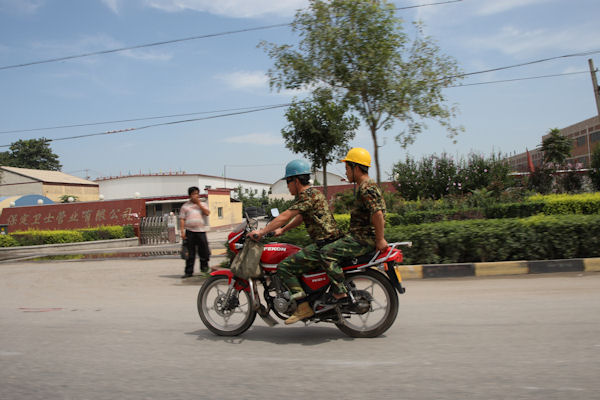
[228,304]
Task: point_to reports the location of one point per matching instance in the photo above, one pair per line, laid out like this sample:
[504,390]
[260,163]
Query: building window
[220,212]
[594,137]
[581,141]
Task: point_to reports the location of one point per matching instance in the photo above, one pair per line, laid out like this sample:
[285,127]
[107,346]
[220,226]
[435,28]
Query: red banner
[74,215]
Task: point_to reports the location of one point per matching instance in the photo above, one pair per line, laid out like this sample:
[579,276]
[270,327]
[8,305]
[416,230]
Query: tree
[358,49]
[556,148]
[31,153]
[595,168]
[320,130]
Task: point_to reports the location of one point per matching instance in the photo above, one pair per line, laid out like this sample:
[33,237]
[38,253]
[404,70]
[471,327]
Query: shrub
[595,168]
[128,231]
[32,237]
[541,180]
[585,203]
[436,177]
[8,241]
[534,238]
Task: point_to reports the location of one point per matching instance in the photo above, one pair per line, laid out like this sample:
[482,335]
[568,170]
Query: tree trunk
[376,153]
[325,179]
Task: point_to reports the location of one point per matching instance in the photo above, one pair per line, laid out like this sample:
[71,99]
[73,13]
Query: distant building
[585,136]
[165,193]
[169,184]
[279,189]
[51,184]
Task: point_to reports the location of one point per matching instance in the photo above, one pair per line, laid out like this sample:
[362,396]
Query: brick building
[585,136]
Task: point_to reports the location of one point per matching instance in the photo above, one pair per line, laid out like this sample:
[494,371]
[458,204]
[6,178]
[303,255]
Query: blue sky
[228,72]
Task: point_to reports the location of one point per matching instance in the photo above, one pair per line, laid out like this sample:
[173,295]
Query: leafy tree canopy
[320,130]
[359,49]
[31,153]
[556,148]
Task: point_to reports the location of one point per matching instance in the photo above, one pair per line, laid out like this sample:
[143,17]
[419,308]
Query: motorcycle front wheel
[377,305]
[224,311]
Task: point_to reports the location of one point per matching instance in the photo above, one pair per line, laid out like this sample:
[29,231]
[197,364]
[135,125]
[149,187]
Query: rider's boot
[303,311]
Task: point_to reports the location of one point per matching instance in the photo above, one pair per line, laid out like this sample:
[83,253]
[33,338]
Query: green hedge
[534,238]
[426,216]
[585,204]
[8,241]
[32,237]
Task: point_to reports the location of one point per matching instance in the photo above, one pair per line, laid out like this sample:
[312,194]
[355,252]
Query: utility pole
[595,83]
[597,97]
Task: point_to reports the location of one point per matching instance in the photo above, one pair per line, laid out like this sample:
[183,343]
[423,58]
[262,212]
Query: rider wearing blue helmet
[310,207]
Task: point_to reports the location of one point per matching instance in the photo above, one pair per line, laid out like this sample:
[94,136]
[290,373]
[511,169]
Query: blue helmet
[297,167]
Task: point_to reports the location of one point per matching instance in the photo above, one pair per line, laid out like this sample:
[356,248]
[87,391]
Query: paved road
[128,329]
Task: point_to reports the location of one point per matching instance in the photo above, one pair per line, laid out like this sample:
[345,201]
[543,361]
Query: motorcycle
[228,305]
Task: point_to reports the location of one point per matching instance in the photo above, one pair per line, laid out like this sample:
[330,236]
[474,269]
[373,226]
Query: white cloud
[23,6]
[245,79]
[232,8]
[91,43]
[112,4]
[526,43]
[265,139]
[491,7]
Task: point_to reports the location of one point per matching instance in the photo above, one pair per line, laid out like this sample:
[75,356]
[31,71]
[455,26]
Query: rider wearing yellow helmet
[367,217]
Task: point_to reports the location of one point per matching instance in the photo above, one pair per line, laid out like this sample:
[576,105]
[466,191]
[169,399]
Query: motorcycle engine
[282,304]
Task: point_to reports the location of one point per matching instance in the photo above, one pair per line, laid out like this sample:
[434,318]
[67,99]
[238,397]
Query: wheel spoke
[216,306]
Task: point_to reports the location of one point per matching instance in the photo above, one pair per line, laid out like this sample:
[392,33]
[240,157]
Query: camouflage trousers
[306,260]
[344,248]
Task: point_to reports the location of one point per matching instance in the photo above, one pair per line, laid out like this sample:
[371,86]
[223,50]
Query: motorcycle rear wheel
[384,306]
[223,315]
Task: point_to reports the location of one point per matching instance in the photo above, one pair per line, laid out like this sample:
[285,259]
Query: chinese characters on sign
[74,215]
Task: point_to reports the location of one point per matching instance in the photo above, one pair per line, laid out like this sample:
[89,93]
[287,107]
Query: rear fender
[240,284]
[391,273]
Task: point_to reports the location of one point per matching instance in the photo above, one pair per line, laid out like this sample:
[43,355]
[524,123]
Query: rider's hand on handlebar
[255,235]
[381,245]
[278,232]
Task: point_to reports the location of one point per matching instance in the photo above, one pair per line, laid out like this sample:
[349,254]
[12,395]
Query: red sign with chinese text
[74,215]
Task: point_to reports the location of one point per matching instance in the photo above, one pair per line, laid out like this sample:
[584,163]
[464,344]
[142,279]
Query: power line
[95,53]
[586,53]
[429,4]
[254,108]
[135,119]
[139,128]
[519,79]
[164,42]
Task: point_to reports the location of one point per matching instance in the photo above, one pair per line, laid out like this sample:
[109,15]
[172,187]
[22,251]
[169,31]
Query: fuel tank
[274,253]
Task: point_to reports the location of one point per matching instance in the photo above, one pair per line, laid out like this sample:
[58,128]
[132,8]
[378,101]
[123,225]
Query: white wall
[279,188]
[168,185]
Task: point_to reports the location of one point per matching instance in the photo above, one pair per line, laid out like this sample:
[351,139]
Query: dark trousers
[196,243]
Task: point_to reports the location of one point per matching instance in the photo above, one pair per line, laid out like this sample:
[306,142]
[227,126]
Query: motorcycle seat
[357,260]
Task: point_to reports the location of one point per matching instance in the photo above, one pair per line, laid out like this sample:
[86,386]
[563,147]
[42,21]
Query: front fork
[256,305]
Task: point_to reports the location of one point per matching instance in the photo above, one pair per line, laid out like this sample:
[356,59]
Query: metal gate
[155,230]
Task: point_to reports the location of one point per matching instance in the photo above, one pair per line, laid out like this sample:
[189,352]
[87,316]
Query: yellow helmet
[358,155]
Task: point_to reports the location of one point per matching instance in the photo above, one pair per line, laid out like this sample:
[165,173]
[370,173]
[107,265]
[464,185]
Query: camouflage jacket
[368,201]
[316,215]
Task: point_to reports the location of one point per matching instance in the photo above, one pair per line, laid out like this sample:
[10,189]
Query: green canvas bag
[246,263]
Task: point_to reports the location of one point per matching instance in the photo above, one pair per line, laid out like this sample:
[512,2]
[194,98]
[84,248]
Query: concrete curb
[499,268]
[7,253]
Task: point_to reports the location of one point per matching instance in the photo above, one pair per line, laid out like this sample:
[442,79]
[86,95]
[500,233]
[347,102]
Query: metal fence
[155,230]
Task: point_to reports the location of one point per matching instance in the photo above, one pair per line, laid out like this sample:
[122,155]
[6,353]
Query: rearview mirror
[274,212]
